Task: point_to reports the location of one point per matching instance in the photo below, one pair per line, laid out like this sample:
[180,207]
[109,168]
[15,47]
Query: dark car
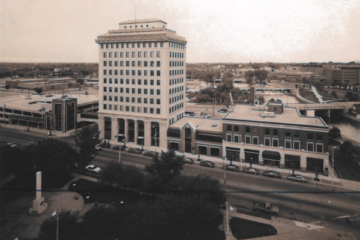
[135,150]
[188,160]
[251,170]
[116,147]
[272,173]
[231,168]
[150,153]
[207,164]
[105,145]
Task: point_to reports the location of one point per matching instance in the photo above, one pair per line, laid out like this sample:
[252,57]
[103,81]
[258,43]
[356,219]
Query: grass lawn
[346,167]
[244,229]
[99,192]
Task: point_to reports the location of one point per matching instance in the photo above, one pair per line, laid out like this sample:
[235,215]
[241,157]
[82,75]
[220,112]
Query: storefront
[292,162]
[271,158]
[314,165]
[252,156]
[233,154]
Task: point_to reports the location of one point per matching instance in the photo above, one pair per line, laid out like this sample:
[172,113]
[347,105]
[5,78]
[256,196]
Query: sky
[235,31]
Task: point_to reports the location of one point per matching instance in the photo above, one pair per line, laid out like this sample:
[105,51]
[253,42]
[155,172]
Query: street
[324,204]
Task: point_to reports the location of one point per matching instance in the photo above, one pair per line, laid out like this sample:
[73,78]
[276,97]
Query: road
[325,205]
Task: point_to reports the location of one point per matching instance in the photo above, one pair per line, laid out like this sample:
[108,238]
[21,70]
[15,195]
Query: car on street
[206,116]
[251,170]
[222,110]
[298,178]
[117,147]
[271,173]
[105,145]
[207,164]
[188,160]
[12,145]
[232,168]
[92,168]
[150,153]
[135,150]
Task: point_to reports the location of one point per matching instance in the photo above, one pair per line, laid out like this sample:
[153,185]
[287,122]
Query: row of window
[132,45]
[176,90]
[133,90]
[115,107]
[176,98]
[151,54]
[133,72]
[176,55]
[274,142]
[132,99]
[176,63]
[176,72]
[178,117]
[176,81]
[132,63]
[133,81]
[176,107]
[275,132]
[177,45]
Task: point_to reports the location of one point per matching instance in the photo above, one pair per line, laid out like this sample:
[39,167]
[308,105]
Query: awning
[270,155]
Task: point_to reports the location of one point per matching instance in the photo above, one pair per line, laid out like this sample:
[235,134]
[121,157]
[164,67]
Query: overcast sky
[216,31]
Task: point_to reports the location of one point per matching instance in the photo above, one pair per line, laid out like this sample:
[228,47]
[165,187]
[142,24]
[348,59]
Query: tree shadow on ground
[244,229]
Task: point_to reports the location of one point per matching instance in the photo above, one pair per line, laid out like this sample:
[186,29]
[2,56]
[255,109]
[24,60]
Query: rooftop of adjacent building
[200,124]
[136,21]
[38,102]
[259,114]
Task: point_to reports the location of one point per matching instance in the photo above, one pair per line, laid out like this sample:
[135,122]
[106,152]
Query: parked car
[105,145]
[135,150]
[116,147]
[298,178]
[231,168]
[150,153]
[272,173]
[92,168]
[222,110]
[251,170]
[188,160]
[12,145]
[206,116]
[207,164]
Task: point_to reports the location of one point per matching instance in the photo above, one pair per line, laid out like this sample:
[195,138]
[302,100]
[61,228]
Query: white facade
[141,82]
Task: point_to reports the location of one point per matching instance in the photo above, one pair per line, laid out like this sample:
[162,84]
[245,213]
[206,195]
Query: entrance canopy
[270,155]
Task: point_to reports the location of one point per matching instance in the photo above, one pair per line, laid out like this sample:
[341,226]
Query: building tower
[141,83]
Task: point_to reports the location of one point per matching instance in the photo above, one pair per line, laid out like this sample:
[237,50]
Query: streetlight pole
[57,224]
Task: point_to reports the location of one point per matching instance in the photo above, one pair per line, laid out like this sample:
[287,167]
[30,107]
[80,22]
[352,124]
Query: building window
[287,133]
[267,142]
[158,111]
[248,139]
[236,128]
[287,143]
[275,132]
[256,140]
[319,137]
[229,128]
[310,136]
[228,137]
[297,145]
[310,146]
[255,130]
[267,131]
[319,148]
[247,129]
[236,138]
[275,142]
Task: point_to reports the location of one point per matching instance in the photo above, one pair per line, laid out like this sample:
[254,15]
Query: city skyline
[230,31]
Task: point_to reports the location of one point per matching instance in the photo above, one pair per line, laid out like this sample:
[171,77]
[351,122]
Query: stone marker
[39,206]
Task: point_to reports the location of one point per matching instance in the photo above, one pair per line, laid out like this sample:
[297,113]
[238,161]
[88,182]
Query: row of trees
[184,207]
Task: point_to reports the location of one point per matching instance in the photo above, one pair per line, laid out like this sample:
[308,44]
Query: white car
[13,145]
[297,178]
[93,168]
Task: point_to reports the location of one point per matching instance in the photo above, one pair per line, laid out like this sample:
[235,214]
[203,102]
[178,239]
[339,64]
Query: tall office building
[141,82]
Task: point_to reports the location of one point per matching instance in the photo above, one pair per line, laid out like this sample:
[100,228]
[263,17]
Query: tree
[69,227]
[7,154]
[38,90]
[334,94]
[86,140]
[125,176]
[261,99]
[334,133]
[51,156]
[164,169]
[346,147]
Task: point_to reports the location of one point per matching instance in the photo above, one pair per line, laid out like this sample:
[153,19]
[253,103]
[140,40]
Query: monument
[39,206]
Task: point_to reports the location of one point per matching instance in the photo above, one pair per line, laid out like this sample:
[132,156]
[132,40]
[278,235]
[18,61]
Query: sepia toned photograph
[179,120]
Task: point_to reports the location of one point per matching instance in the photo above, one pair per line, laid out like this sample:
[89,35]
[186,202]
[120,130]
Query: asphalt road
[322,204]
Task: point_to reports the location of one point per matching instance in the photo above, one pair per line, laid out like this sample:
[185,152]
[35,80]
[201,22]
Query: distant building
[343,74]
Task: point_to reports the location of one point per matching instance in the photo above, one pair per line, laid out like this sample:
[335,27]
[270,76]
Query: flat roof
[20,102]
[290,116]
[199,123]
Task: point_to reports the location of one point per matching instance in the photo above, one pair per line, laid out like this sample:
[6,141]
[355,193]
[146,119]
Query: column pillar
[114,129]
[101,126]
[126,126]
[136,132]
[261,161]
[147,133]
